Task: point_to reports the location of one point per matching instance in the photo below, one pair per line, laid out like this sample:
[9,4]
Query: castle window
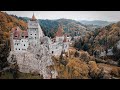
[35,34]
[30,34]
[26,36]
[22,41]
[19,49]
[24,44]
[35,37]
[16,48]
[52,52]
[17,43]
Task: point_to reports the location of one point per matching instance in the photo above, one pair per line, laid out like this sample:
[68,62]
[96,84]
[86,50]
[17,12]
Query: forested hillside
[50,27]
[7,22]
[96,22]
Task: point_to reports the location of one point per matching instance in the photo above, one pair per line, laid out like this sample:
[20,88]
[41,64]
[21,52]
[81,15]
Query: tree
[77,54]
[78,44]
[1,36]
[14,70]
[85,47]
[62,60]
[4,52]
[116,52]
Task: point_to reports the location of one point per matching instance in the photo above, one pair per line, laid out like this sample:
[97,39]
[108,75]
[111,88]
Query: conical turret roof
[33,17]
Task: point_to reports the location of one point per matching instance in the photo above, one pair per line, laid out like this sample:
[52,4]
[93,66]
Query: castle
[21,40]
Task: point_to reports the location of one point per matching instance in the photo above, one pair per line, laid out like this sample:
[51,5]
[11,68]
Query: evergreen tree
[76,54]
[85,47]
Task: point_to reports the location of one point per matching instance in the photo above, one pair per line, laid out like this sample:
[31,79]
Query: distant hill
[96,22]
[70,26]
[50,27]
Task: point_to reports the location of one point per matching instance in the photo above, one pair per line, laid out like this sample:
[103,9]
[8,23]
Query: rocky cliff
[36,59]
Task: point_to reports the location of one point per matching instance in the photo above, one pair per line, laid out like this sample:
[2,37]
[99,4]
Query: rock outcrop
[36,59]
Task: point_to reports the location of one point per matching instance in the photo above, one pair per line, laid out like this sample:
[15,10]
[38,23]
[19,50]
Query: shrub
[94,71]
[76,54]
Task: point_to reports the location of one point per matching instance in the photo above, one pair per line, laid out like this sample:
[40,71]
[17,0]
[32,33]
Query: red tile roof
[33,18]
[25,33]
[60,31]
[17,33]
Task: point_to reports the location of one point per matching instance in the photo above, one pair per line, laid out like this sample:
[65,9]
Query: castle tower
[60,31]
[34,31]
[59,34]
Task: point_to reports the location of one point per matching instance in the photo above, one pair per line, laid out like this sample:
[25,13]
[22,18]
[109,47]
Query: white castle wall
[55,49]
[33,36]
[66,46]
[34,32]
[60,39]
[20,45]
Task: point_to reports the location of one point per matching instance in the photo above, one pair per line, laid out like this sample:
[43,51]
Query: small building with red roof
[19,39]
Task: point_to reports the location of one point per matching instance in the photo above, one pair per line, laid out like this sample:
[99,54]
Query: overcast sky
[75,15]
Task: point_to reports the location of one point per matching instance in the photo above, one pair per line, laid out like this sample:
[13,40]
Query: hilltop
[96,22]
